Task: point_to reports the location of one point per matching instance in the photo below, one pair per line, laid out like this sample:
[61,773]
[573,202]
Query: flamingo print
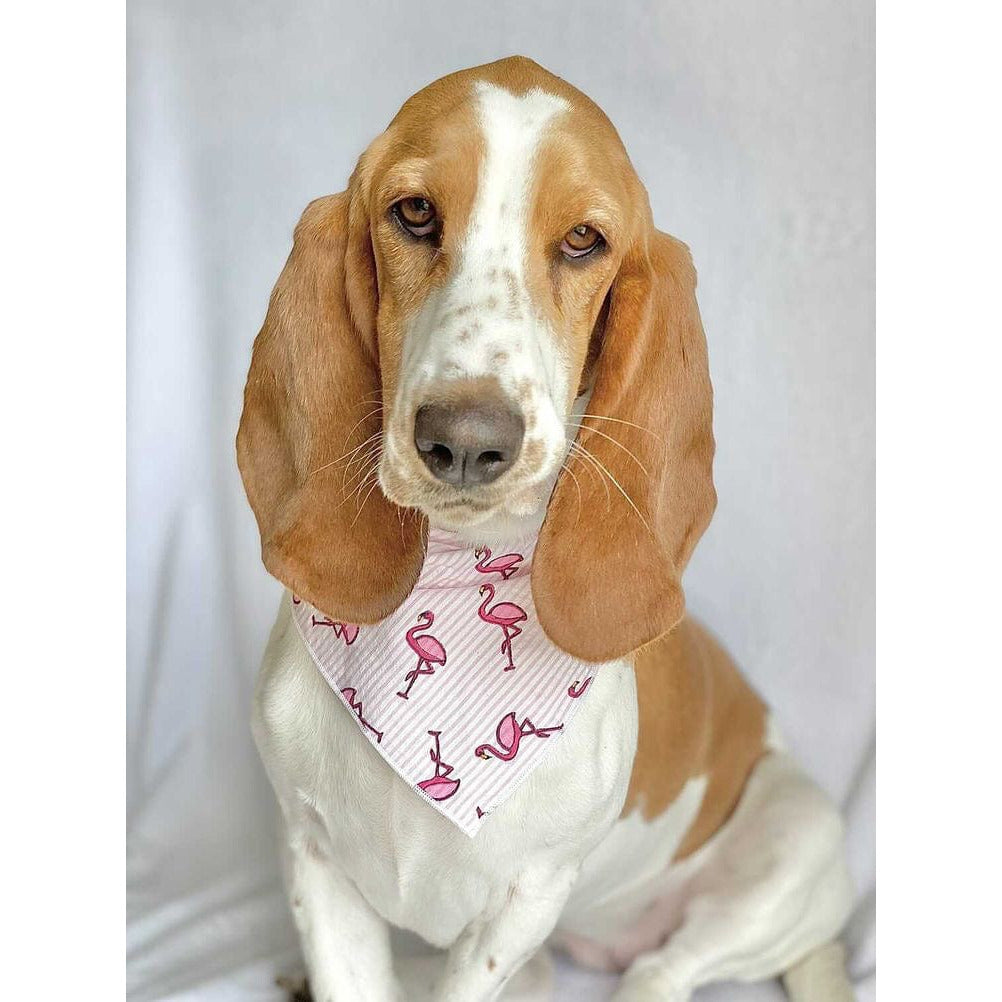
[505,565]
[439,786]
[577,688]
[507,615]
[350,693]
[347,631]
[429,651]
[509,735]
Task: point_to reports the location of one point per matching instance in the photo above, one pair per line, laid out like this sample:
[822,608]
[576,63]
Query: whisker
[586,456]
[375,484]
[319,469]
[619,487]
[400,519]
[347,437]
[615,441]
[373,471]
[373,442]
[590,470]
[632,424]
[362,473]
[369,463]
[566,469]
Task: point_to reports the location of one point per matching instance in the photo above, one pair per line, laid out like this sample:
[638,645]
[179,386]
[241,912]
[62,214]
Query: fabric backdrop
[752,124]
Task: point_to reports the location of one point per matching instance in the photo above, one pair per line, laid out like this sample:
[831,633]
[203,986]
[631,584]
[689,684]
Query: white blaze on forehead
[483,321]
[512,128]
[492,269]
[485,309]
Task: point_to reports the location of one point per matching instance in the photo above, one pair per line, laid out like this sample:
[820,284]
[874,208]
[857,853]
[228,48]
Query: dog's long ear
[606,575]
[313,394]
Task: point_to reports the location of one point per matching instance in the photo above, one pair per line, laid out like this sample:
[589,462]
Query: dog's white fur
[363,852]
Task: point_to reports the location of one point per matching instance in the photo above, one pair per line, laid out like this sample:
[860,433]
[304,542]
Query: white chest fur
[364,850]
[418,871]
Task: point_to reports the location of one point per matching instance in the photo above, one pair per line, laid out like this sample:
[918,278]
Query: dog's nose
[468,444]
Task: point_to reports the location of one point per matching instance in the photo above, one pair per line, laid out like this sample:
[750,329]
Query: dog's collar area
[459,689]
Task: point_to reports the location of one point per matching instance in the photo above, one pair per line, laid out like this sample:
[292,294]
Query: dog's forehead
[513,98]
[457,94]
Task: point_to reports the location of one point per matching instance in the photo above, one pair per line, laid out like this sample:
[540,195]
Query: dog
[484,340]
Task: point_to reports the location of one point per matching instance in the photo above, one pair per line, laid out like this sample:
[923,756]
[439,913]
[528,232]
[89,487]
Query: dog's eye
[580,241]
[417,216]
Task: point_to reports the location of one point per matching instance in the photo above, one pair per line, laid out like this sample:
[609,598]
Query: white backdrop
[752,124]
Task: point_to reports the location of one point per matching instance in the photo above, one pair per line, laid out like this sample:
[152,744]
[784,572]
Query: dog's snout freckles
[477,406]
[477,415]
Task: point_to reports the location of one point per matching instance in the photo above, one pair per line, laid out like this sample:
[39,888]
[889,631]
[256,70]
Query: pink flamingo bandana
[459,689]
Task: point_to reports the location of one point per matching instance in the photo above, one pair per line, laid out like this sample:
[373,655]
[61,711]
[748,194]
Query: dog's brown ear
[606,575]
[313,395]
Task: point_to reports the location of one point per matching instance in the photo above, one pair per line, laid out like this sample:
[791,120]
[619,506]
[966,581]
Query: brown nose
[468,444]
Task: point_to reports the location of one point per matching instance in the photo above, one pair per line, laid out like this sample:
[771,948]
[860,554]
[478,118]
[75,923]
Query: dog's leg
[493,948]
[772,887]
[345,943]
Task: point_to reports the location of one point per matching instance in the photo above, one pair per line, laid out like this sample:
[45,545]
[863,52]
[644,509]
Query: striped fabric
[459,689]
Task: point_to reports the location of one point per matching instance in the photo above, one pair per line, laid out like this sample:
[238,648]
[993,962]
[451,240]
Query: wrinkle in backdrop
[752,126]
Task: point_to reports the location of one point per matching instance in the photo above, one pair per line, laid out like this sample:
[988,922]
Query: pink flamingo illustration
[347,631]
[509,735]
[505,565]
[507,615]
[350,694]
[577,688]
[429,651]
[439,786]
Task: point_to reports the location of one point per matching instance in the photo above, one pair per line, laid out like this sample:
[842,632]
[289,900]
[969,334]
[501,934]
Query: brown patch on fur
[533,451]
[312,848]
[697,717]
[652,378]
[511,288]
[582,174]
[491,963]
[459,311]
[524,391]
[300,402]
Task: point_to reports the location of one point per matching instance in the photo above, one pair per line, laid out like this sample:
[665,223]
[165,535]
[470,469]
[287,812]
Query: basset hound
[484,346]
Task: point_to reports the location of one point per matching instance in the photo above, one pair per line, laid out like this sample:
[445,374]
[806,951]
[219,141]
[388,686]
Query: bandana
[459,690]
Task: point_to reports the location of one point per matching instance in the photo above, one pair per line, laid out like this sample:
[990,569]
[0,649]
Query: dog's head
[489,293]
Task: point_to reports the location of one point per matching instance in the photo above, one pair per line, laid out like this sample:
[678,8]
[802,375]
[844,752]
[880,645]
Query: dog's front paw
[298,989]
[650,983]
[533,982]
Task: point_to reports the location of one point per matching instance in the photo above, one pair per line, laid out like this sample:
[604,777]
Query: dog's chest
[415,867]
